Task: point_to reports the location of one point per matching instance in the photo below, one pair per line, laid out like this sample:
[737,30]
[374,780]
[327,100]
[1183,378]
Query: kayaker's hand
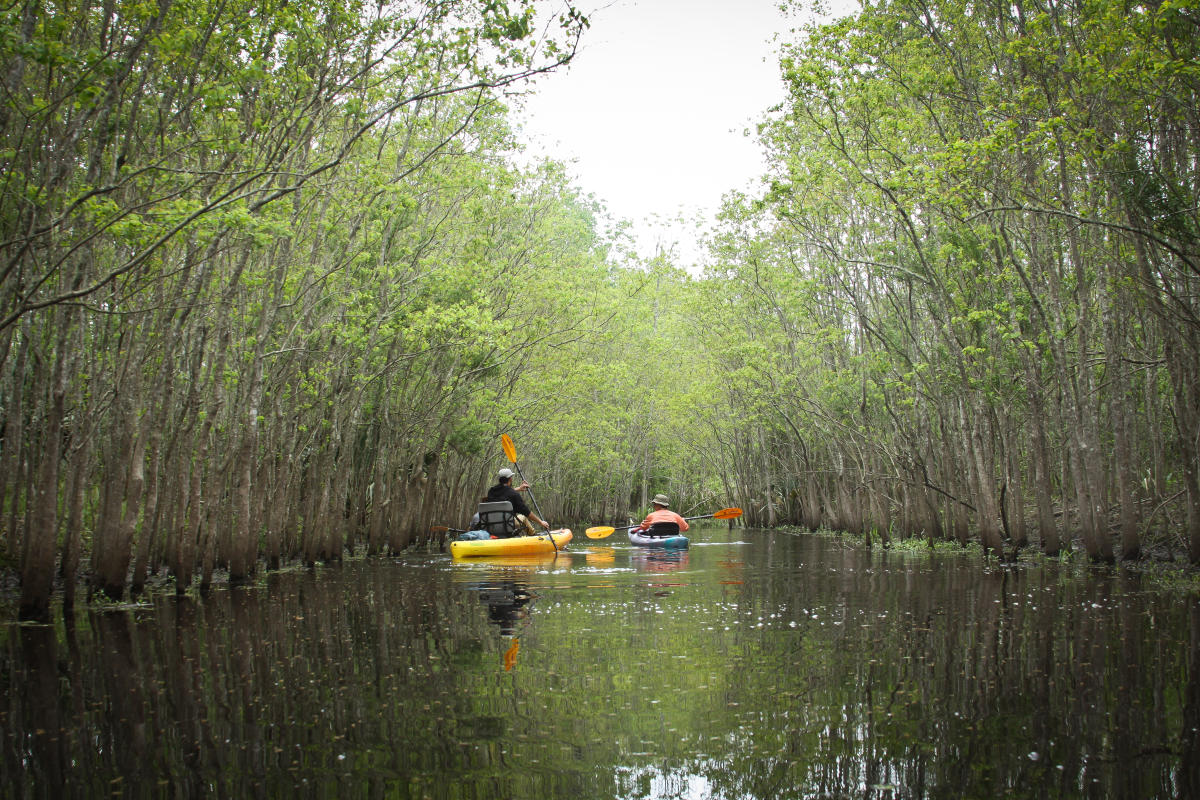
[524,485]
[545,525]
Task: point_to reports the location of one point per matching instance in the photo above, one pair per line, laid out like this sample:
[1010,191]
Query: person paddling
[661,515]
[504,490]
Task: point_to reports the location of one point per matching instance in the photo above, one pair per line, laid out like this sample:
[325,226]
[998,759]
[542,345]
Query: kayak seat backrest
[498,518]
[663,529]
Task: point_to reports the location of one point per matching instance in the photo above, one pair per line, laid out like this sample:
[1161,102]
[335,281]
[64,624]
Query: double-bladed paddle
[602,531]
[510,451]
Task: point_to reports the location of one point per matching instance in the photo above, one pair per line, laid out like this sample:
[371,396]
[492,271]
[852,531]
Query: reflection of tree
[1189,740]
[926,678]
[40,714]
[128,732]
[826,672]
[256,693]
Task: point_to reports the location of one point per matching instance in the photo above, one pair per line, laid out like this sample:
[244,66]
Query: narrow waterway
[754,665]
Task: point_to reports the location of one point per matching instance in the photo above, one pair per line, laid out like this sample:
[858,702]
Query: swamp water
[754,665]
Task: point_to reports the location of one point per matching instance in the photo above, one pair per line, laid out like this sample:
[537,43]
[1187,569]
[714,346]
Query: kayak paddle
[603,530]
[510,450]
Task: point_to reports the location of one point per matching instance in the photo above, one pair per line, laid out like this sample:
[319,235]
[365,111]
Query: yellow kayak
[518,545]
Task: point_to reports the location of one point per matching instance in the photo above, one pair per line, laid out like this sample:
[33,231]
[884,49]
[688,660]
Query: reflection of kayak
[600,558]
[676,542]
[520,562]
[660,559]
[517,545]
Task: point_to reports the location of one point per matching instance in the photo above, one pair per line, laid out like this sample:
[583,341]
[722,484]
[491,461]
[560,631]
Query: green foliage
[292,242]
[949,190]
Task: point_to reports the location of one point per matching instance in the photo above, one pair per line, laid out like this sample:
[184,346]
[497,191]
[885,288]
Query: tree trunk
[379,502]
[12,461]
[1182,361]
[1118,411]
[122,492]
[1040,456]
[77,484]
[1018,524]
[37,571]
[983,461]
[149,532]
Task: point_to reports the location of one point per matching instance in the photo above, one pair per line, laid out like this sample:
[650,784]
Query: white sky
[651,114]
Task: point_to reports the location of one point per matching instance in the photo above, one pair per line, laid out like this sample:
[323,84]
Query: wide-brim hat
[661,500]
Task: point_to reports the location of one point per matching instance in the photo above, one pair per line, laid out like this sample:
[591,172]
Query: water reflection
[782,667]
[1189,769]
[652,559]
[600,557]
[505,601]
[507,604]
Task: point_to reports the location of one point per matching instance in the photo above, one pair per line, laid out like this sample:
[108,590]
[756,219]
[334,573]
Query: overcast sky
[652,113]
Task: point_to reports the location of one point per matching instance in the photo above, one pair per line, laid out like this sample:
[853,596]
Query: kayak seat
[498,519]
[662,530]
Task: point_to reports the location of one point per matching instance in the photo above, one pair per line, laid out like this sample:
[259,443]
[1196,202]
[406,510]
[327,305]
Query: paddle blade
[509,449]
[438,529]
[600,532]
[728,513]
[510,655]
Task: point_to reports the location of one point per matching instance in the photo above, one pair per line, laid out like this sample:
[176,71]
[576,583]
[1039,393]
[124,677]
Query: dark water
[755,665]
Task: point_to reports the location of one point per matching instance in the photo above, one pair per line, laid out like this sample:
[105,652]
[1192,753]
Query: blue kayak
[676,542]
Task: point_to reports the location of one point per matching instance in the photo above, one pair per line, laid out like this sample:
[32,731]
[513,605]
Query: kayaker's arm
[524,487]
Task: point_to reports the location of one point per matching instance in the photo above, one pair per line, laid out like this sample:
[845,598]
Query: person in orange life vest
[661,513]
